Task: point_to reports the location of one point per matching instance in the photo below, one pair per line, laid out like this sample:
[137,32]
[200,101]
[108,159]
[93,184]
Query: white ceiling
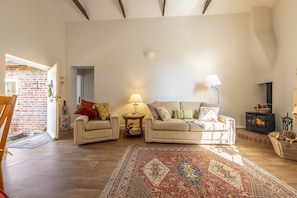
[111,9]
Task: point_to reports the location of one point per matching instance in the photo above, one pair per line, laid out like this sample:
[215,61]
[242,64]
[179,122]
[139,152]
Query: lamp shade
[212,80]
[135,98]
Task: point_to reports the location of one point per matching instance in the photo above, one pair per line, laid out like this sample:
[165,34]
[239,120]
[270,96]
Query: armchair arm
[115,125]
[149,120]
[79,128]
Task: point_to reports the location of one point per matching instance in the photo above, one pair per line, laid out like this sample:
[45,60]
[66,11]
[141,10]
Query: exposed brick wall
[31,112]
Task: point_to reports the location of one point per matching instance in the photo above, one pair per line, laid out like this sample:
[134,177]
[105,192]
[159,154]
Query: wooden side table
[130,116]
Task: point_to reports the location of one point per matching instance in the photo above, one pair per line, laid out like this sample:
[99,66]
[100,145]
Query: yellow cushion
[102,111]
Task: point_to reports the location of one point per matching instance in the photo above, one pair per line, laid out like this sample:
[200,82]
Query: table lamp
[135,99]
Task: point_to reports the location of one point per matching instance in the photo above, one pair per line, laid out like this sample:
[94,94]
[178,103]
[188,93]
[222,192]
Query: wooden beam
[122,8]
[81,8]
[163,11]
[206,6]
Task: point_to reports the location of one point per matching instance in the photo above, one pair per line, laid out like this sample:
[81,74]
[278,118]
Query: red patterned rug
[170,170]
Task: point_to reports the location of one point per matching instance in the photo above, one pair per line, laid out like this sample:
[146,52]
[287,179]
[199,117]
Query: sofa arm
[79,128]
[115,125]
[230,127]
[149,120]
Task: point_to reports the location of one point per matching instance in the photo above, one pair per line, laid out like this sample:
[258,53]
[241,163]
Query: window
[11,88]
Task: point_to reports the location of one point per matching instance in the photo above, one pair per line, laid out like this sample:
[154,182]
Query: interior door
[52,102]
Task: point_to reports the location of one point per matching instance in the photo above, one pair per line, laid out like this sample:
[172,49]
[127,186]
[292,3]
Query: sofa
[188,122]
[95,123]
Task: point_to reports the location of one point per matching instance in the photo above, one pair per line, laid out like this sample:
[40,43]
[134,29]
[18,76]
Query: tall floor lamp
[211,81]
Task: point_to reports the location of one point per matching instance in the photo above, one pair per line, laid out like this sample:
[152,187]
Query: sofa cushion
[163,113]
[87,108]
[171,125]
[208,113]
[97,124]
[194,106]
[183,114]
[153,108]
[170,106]
[206,126]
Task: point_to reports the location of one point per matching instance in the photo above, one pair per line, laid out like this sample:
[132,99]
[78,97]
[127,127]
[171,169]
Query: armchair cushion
[102,110]
[97,124]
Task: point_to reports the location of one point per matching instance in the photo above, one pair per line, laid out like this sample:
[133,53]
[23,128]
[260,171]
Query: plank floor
[62,169]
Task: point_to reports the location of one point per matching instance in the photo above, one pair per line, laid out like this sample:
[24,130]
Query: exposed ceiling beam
[206,6]
[164,4]
[81,8]
[122,8]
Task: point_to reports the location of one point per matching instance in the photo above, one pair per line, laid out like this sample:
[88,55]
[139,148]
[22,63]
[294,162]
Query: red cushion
[3,194]
[87,108]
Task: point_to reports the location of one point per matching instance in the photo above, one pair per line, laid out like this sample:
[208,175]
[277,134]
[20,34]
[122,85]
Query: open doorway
[29,81]
[84,83]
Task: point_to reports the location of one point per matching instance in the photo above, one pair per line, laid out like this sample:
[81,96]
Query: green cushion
[183,114]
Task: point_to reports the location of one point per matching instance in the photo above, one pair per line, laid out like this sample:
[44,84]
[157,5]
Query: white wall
[285,27]
[31,29]
[187,50]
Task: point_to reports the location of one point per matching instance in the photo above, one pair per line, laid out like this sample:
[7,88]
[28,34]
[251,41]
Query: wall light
[211,81]
[149,54]
[135,99]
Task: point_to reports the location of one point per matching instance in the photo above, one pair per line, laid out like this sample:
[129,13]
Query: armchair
[88,130]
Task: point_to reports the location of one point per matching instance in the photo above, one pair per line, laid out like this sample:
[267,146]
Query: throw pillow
[178,114]
[153,108]
[188,114]
[163,113]
[87,108]
[183,114]
[208,113]
[102,111]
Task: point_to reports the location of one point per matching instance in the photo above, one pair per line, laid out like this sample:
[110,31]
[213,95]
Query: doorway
[84,84]
[29,81]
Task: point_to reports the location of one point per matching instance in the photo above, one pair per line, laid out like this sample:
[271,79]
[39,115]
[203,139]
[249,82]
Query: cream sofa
[192,129]
[88,130]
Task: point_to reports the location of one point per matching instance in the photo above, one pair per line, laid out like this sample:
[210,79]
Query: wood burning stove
[260,122]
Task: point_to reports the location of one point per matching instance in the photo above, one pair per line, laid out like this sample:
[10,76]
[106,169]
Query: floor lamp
[211,81]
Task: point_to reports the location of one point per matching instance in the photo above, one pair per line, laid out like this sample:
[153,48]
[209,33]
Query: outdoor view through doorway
[29,81]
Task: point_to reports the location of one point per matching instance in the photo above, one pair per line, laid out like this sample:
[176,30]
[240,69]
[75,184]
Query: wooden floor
[62,169]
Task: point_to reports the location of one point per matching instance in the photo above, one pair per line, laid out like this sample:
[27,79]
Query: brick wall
[31,112]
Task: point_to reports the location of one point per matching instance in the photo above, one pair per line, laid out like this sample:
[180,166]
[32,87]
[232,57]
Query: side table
[131,116]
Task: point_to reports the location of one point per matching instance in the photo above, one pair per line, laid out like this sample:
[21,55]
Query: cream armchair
[94,130]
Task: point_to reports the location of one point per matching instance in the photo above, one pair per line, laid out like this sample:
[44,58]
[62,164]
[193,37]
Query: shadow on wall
[201,92]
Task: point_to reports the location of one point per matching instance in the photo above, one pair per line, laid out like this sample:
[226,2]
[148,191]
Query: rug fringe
[113,176]
[265,172]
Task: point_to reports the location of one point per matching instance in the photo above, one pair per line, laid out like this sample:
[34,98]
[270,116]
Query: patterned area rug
[31,142]
[166,170]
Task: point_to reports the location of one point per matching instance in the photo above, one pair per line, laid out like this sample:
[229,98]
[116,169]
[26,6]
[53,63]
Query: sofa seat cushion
[170,125]
[97,124]
[206,126]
